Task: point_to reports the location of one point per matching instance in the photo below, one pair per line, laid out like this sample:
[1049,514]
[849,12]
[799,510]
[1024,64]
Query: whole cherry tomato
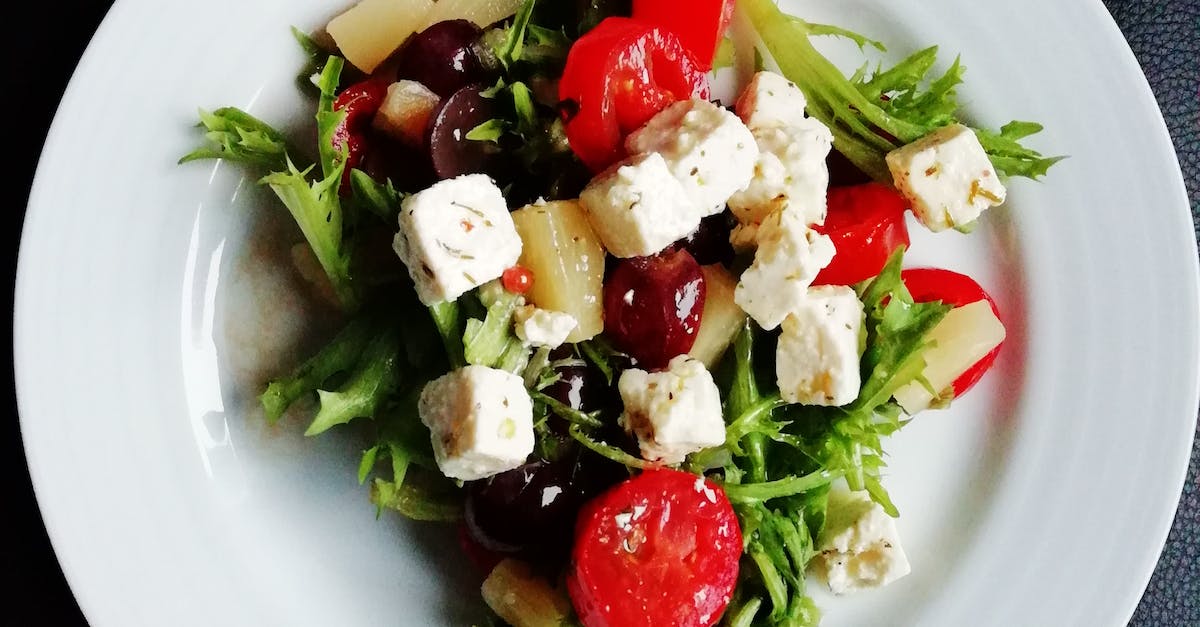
[616,78]
[659,549]
[699,28]
[932,284]
[866,224]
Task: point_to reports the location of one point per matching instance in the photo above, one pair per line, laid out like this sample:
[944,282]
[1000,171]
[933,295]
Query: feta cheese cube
[638,208]
[706,147]
[789,256]
[947,177]
[859,546]
[817,358]
[771,100]
[672,413]
[542,327]
[480,420]
[790,172]
[405,112]
[456,236]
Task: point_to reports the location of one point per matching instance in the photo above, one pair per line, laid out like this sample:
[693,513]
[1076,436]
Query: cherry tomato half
[930,284]
[616,78]
[699,28]
[659,549]
[361,101]
[866,224]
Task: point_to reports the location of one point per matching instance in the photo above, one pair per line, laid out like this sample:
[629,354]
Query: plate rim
[107,30]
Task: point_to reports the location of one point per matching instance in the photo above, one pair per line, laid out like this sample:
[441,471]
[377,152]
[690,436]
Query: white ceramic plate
[152,299]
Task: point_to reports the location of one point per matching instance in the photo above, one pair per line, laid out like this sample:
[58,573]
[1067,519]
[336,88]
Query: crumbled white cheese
[859,546]
[789,256]
[790,172]
[771,100]
[707,148]
[456,236]
[480,420]
[542,327]
[947,177]
[817,358]
[674,412]
[638,208]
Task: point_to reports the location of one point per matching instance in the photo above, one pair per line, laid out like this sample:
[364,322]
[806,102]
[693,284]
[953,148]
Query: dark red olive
[843,173]
[578,387]
[530,511]
[652,306]
[709,243]
[443,57]
[451,153]
[407,167]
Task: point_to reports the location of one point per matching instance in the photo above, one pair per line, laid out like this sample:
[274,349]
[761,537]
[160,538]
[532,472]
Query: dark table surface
[1165,36]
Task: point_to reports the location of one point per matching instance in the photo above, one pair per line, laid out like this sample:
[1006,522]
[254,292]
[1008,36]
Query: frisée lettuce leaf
[339,355]
[238,137]
[784,458]
[317,209]
[872,114]
[369,385]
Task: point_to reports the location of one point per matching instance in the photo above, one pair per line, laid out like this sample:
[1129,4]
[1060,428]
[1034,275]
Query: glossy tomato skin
[866,224]
[955,289]
[616,78]
[360,101]
[659,549]
[699,28]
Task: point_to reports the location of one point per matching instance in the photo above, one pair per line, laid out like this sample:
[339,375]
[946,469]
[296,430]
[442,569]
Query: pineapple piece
[371,30]
[483,13]
[721,319]
[405,112]
[962,338]
[567,262]
[523,599]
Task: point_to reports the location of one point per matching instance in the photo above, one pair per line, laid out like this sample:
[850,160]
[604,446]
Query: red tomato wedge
[361,101]
[699,27]
[866,224]
[930,284]
[616,78]
[659,549]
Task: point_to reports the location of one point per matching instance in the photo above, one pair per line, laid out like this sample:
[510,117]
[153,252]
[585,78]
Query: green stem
[788,486]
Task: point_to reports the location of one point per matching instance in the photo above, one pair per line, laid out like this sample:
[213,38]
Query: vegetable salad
[640,349]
